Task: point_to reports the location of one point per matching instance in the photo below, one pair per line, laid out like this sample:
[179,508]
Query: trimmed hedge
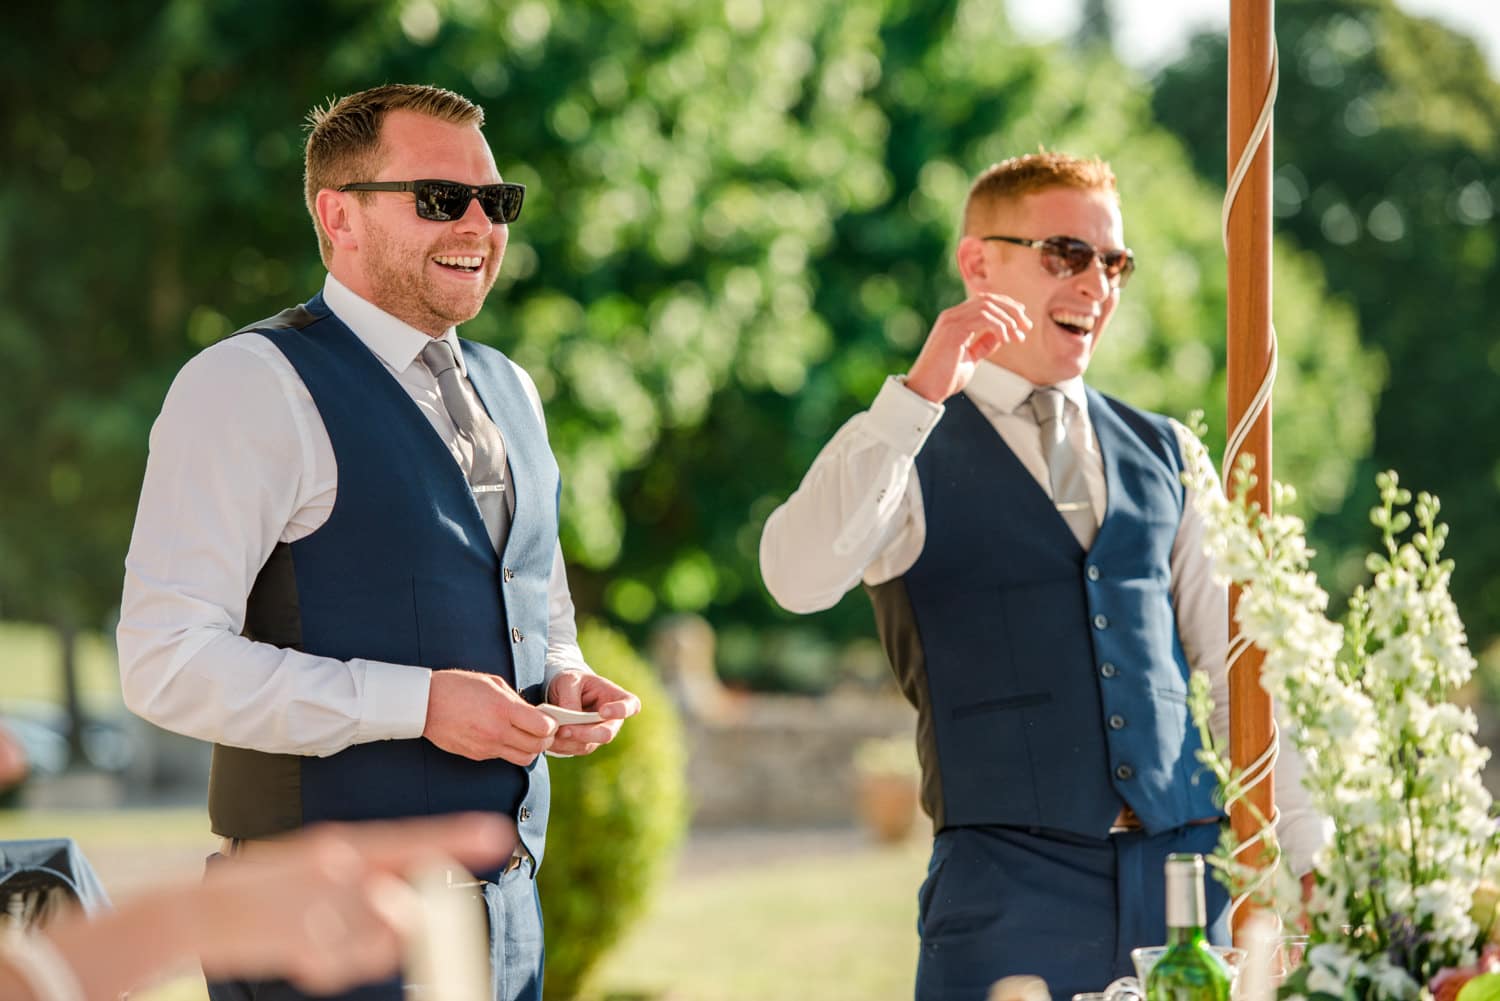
[618,816]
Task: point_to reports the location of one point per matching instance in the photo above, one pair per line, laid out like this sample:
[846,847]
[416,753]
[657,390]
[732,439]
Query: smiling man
[1040,590]
[345,570]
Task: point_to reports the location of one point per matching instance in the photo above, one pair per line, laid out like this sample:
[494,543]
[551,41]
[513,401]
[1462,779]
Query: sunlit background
[739,221]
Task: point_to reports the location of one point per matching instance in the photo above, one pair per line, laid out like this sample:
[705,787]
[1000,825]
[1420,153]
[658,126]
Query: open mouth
[1081,324]
[463,264]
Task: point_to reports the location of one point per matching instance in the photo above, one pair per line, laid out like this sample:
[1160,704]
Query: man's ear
[972,266]
[334,217]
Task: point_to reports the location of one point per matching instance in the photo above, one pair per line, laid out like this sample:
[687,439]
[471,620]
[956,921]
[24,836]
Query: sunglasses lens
[501,202]
[444,201]
[1118,264]
[441,201]
[1065,257]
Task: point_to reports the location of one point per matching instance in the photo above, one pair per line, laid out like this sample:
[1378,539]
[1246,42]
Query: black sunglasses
[1066,256]
[445,201]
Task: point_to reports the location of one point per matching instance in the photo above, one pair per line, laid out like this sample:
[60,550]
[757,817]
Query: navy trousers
[999,901]
[516,953]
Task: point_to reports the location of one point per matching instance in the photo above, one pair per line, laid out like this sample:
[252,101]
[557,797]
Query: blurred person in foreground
[345,569]
[1040,589]
[326,909]
[14,767]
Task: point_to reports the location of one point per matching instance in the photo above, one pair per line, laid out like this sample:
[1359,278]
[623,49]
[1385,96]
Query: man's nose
[474,219]
[1093,279]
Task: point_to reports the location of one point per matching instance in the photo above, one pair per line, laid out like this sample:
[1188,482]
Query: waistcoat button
[1124,772]
[1100,622]
[1108,670]
[515,635]
[1093,571]
[1117,722]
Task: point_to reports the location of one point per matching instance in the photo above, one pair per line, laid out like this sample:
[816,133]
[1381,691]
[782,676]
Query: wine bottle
[1189,970]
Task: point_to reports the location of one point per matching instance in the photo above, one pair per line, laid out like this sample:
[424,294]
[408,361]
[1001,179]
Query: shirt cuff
[901,418]
[393,701]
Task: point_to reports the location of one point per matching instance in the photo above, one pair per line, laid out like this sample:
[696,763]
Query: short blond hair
[1011,179]
[343,137]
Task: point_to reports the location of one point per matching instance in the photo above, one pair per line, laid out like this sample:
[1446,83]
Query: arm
[240,462]
[1203,624]
[233,470]
[858,511]
[329,912]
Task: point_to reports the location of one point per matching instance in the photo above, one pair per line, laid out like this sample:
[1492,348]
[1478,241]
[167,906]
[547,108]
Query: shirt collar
[1003,390]
[395,342]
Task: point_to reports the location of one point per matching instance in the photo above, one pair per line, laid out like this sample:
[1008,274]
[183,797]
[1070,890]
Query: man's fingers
[567,690]
[1007,305]
[984,342]
[530,720]
[585,733]
[624,707]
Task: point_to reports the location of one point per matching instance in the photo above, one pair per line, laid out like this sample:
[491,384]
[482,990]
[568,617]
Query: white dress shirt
[858,515]
[240,461]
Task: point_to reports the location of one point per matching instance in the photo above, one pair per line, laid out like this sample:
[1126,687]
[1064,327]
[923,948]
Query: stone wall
[769,760]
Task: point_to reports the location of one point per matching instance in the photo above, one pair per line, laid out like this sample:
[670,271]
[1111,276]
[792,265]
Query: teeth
[1083,321]
[459,262]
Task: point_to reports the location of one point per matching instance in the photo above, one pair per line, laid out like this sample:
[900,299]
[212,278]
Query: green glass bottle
[1189,970]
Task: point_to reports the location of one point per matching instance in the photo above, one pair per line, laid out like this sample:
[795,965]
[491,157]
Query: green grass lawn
[836,928]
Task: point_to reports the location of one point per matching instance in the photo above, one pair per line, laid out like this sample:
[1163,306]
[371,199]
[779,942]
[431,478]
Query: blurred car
[42,730]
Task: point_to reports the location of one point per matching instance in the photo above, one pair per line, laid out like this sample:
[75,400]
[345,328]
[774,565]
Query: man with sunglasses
[345,570]
[1040,589]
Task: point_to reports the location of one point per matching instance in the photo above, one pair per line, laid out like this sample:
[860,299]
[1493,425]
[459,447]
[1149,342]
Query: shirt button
[515,635]
[525,813]
[1124,772]
[1100,622]
[1117,722]
[1093,572]
[1108,670]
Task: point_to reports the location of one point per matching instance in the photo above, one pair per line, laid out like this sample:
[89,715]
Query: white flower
[1335,960]
[1388,758]
[1393,982]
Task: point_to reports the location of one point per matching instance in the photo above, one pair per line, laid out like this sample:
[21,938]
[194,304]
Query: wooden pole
[1251,43]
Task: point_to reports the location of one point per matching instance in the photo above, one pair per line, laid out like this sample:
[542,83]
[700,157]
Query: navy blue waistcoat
[1052,684]
[404,571]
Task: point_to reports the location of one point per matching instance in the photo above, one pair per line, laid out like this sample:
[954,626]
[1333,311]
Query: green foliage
[739,221]
[617,818]
[1387,144]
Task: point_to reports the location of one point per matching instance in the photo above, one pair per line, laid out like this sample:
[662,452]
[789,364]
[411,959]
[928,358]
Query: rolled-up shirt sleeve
[229,473]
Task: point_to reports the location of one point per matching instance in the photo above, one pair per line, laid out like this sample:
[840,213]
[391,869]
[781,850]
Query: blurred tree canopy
[740,219]
[1388,168]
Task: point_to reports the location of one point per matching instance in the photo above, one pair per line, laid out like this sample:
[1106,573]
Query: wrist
[919,384]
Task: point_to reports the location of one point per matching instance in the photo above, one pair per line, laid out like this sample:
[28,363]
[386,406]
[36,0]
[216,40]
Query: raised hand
[481,717]
[963,336]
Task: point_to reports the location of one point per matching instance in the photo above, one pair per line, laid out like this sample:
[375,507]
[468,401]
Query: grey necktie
[479,440]
[1070,492]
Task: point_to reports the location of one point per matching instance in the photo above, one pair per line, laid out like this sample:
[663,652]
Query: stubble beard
[399,280]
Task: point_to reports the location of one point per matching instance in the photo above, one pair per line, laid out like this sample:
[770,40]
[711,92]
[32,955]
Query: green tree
[739,221]
[1386,164]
